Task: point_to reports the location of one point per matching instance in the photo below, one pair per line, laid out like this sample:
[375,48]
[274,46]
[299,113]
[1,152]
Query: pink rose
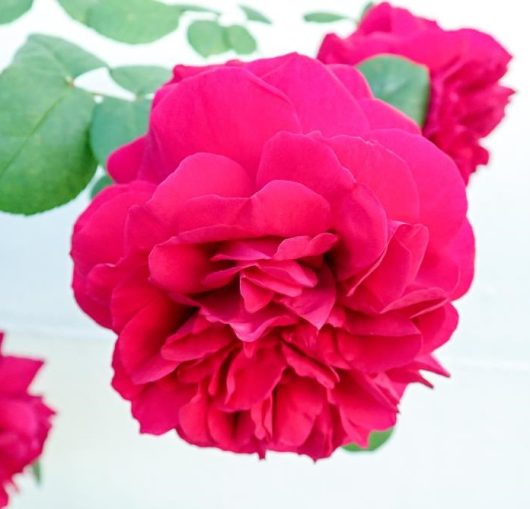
[285,265]
[24,419]
[465,67]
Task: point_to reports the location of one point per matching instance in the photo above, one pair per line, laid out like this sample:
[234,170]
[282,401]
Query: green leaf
[197,8]
[45,157]
[36,470]
[55,56]
[207,38]
[377,439]
[100,184]
[254,15]
[131,21]
[399,82]
[140,79]
[10,10]
[115,123]
[241,40]
[324,17]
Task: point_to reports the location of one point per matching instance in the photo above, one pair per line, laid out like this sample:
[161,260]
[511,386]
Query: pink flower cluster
[24,419]
[467,102]
[278,258]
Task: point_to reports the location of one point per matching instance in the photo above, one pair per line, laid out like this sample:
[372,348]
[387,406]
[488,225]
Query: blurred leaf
[196,8]
[241,40]
[100,184]
[36,470]
[377,439]
[207,38]
[399,82]
[131,21]
[115,123]
[366,8]
[254,15]
[45,158]
[140,79]
[324,17]
[10,10]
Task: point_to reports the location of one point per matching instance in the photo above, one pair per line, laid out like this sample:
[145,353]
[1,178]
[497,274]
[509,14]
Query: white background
[464,445]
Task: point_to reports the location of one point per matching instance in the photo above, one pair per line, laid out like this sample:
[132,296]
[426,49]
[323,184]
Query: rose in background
[278,259]
[25,420]
[467,102]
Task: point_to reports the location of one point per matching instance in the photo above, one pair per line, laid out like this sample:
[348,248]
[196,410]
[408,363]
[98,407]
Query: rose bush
[467,102]
[279,260]
[24,419]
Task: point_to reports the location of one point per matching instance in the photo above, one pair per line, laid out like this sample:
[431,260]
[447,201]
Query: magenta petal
[140,342]
[199,175]
[17,373]
[383,172]
[178,267]
[195,346]
[297,403]
[226,111]
[384,116]
[443,186]
[287,209]
[326,105]
[251,380]
[157,408]
[124,164]
[306,160]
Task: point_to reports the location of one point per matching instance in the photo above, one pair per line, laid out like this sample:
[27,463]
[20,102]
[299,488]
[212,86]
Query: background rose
[465,66]
[24,419]
[282,263]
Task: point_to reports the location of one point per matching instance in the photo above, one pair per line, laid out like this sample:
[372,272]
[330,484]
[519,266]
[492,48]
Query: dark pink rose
[24,419]
[467,101]
[283,264]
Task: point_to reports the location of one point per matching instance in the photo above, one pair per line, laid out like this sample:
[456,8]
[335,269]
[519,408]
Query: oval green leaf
[140,79]
[377,440]
[10,10]
[55,56]
[399,82]
[131,21]
[207,38]
[255,15]
[324,17]
[115,123]
[241,40]
[45,157]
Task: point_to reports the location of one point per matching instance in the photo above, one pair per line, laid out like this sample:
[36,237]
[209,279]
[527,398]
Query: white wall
[463,445]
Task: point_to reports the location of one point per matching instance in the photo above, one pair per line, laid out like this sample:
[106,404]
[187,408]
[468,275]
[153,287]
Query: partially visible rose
[280,264]
[467,102]
[24,419]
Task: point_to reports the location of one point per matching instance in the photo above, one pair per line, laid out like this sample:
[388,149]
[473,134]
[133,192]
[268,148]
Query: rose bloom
[24,419]
[279,260]
[466,101]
